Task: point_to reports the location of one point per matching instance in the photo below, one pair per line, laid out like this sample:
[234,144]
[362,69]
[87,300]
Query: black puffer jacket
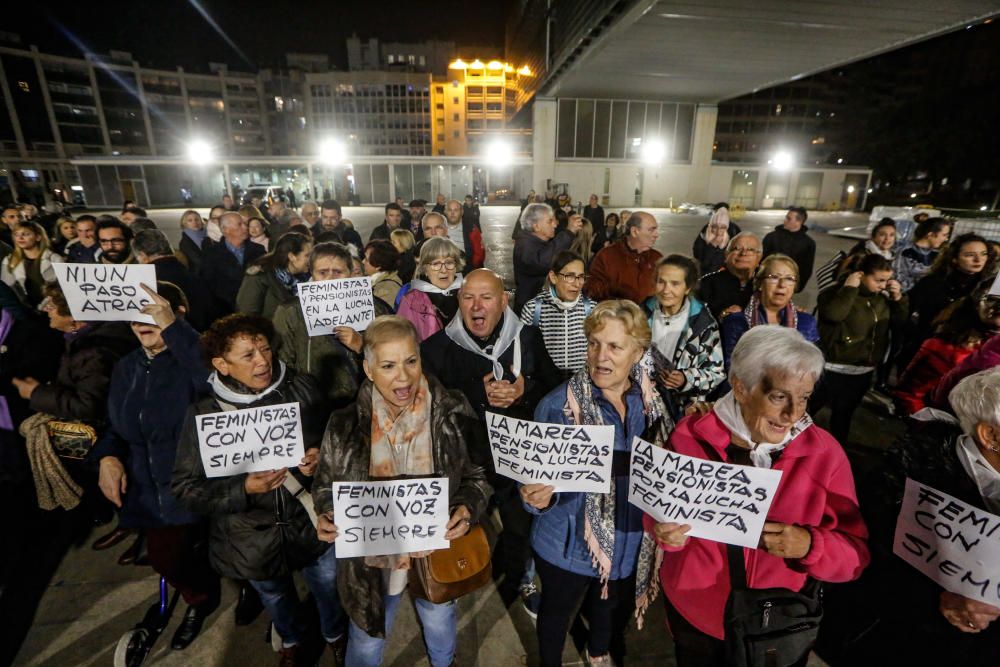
[346,455]
[259,536]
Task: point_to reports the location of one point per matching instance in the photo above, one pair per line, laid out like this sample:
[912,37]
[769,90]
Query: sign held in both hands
[344,302]
[252,440]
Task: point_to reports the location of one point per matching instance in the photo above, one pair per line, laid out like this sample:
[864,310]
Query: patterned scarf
[290,281]
[599,508]
[787,316]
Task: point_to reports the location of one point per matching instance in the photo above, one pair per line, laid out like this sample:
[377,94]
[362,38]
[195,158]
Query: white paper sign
[106,292]
[723,502]
[381,518]
[995,289]
[252,440]
[345,302]
[568,457]
[953,543]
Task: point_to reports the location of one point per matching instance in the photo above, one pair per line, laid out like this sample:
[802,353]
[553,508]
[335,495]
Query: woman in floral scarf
[590,549]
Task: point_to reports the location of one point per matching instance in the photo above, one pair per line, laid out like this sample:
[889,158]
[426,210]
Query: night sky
[167,33]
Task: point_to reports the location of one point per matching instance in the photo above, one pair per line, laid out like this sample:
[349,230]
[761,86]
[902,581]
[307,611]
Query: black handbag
[769,627]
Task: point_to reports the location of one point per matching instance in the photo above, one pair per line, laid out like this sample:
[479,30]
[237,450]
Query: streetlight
[499,153]
[332,151]
[850,189]
[652,151]
[200,151]
[782,161]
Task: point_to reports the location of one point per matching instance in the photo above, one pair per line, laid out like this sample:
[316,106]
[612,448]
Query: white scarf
[224,393]
[431,288]
[509,333]
[728,412]
[875,250]
[667,330]
[985,476]
[563,305]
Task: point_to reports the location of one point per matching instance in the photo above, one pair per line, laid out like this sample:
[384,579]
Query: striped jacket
[698,354]
[561,329]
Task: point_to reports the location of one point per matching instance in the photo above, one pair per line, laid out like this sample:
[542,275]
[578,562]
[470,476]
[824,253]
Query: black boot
[248,606]
[190,626]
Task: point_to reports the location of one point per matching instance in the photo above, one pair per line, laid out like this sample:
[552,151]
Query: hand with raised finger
[785,540]
[262,482]
[671,534]
[459,524]
[538,496]
[326,531]
[158,308]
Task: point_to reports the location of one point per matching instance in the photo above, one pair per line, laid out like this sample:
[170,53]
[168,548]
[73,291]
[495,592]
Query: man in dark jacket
[331,221]
[464,231]
[224,264]
[477,354]
[151,389]
[152,247]
[792,238]
[260,529]
[84,249]
[535,248]
[392,221]
[729,289]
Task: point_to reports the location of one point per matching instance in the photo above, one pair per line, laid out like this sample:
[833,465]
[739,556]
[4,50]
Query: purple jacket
[416,306]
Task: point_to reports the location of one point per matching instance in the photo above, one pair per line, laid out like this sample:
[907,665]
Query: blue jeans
[440,622]
[282,601]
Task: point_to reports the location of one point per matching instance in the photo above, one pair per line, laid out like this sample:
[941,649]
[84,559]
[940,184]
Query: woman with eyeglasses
[854,320]
[559,311]
[431,300]
[771,303]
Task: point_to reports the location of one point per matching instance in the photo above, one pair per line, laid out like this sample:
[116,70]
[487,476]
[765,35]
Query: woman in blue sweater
[590,548]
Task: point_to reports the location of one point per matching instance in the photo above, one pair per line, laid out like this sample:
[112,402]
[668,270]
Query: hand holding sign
[785,540]
[262,482]
[671,534]
[159,308]
[538,496]
[349,338]
[967,615]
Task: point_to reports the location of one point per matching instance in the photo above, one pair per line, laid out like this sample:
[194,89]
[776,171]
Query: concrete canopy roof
[712,50]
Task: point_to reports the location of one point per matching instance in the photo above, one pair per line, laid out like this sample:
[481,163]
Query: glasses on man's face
[443,265]
[775,279]
[573,277]
[743,250]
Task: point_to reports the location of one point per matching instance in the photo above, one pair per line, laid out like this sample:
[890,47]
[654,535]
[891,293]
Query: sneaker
[531,599]
[603,661]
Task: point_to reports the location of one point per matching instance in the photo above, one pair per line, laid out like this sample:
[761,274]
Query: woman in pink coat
[813,529]
[431,300]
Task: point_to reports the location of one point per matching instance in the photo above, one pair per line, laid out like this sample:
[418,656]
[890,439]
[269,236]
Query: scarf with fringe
[599,508]
[755,315]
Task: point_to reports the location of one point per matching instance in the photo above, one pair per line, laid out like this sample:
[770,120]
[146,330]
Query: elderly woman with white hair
[535,248]
[404,424]
[430,301]
[814,531]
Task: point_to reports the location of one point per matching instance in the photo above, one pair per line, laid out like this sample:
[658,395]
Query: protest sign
[995,288]
[251,440]
[381,518]
[724,502]
[568,457]
[328,304]
[954,543]
[106,292]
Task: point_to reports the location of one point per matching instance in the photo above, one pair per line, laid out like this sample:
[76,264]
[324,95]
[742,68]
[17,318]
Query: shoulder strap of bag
[300,494]
[537,318]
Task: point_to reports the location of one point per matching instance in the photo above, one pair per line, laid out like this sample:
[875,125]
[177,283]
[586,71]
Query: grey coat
[345,456]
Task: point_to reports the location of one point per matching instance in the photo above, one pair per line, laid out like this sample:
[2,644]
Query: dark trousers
[693,647]
[843,393]
[513,549]
[179,555]
[564,594]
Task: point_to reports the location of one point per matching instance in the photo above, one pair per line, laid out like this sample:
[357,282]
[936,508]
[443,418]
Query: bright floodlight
[652,151]
[199,150]
[782,160]
[499,153]
[332,151]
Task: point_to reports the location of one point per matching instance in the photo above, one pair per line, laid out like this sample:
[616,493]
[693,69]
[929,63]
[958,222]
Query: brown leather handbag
[448,574]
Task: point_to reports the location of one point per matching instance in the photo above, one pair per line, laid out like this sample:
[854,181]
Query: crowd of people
[706,354]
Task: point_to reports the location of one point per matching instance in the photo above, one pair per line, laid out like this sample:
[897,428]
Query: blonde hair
[188,212]
[387,328]
[438,247]
[17,255]
[248,211]
[626,312]
[582,243]
[404,237]
[765,268]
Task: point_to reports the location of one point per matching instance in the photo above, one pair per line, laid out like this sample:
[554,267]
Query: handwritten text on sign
[570,458]
[328,304]
[720,501]
[251,440]
[381,518]
[106,292]
[953,543]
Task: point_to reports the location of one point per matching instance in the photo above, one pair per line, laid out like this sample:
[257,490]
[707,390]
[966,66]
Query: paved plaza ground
[71,609]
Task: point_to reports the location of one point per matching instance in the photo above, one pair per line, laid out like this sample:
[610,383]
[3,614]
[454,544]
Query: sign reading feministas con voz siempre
[343,302]
[260,439]
[566,456]
[106,292]
[724,502]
